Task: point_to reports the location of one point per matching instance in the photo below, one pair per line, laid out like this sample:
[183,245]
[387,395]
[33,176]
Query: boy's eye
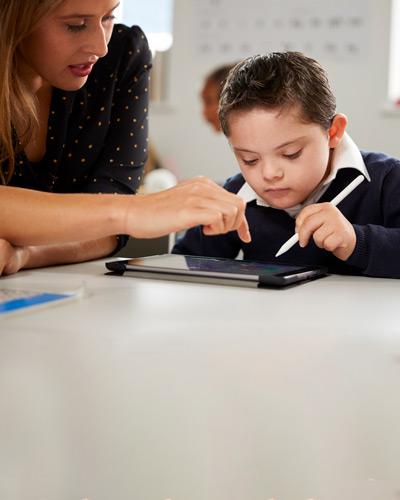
[76,28]
[249,162]
[293,156]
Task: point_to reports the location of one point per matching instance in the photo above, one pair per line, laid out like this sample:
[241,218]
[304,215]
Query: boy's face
[282,158]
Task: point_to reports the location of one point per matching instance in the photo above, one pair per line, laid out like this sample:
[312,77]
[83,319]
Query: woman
[73,119]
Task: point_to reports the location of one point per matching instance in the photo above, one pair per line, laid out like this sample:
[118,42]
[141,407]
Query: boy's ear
[337,130]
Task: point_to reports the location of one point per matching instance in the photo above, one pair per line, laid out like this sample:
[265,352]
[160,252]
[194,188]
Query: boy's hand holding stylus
[329,229]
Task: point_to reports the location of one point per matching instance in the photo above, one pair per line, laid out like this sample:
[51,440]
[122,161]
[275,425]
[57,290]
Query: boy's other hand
[329,229]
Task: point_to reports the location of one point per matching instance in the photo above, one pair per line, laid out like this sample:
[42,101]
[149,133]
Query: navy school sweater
[373,208]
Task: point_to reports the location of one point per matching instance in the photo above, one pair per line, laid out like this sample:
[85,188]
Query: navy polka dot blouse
[97,136]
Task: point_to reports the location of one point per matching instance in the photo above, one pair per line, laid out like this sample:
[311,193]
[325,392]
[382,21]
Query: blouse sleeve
[119,166]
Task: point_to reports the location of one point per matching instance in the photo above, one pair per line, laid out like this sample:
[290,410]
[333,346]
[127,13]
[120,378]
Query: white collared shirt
[346,155]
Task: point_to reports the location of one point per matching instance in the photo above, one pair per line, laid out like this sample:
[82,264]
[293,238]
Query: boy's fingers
[308,228]
[332,242]
[307,212]
[321,235]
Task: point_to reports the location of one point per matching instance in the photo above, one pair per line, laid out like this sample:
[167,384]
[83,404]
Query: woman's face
[62,50]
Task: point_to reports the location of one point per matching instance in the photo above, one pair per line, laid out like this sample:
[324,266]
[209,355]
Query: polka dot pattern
[97,136]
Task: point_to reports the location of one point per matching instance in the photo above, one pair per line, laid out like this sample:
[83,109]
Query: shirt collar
[346,155]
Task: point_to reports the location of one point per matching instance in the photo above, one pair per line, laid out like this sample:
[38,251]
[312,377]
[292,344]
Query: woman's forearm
[68,253]
[30,217]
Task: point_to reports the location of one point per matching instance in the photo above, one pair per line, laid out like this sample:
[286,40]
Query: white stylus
[337,199]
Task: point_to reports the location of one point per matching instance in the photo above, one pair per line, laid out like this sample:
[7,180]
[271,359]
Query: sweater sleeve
[377,251]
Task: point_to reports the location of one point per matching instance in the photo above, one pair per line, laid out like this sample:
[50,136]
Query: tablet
[215,270]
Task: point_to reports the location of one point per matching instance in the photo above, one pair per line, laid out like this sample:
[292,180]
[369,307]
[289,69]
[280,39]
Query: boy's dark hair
[276,81]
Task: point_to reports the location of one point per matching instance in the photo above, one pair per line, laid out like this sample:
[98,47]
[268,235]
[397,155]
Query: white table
[150,390]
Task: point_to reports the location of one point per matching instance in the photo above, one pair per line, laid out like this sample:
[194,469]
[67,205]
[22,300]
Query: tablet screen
[210,264]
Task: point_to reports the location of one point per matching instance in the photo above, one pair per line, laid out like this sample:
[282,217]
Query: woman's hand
[12,259]
[329,229]
[194,202]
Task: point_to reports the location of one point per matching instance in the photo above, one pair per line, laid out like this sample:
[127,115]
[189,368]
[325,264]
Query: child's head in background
[279,115]
[211,92]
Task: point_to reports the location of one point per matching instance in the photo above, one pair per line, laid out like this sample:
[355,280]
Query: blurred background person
[211,92]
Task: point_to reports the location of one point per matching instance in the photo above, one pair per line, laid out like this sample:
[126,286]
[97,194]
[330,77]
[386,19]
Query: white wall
[187,143]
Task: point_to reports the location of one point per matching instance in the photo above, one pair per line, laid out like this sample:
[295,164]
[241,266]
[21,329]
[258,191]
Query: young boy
[279,115]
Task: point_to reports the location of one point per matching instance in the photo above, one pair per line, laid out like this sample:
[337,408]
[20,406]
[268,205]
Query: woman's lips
[81,70]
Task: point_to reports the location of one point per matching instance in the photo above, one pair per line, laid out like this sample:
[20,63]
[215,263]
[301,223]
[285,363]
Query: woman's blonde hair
[18,19]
